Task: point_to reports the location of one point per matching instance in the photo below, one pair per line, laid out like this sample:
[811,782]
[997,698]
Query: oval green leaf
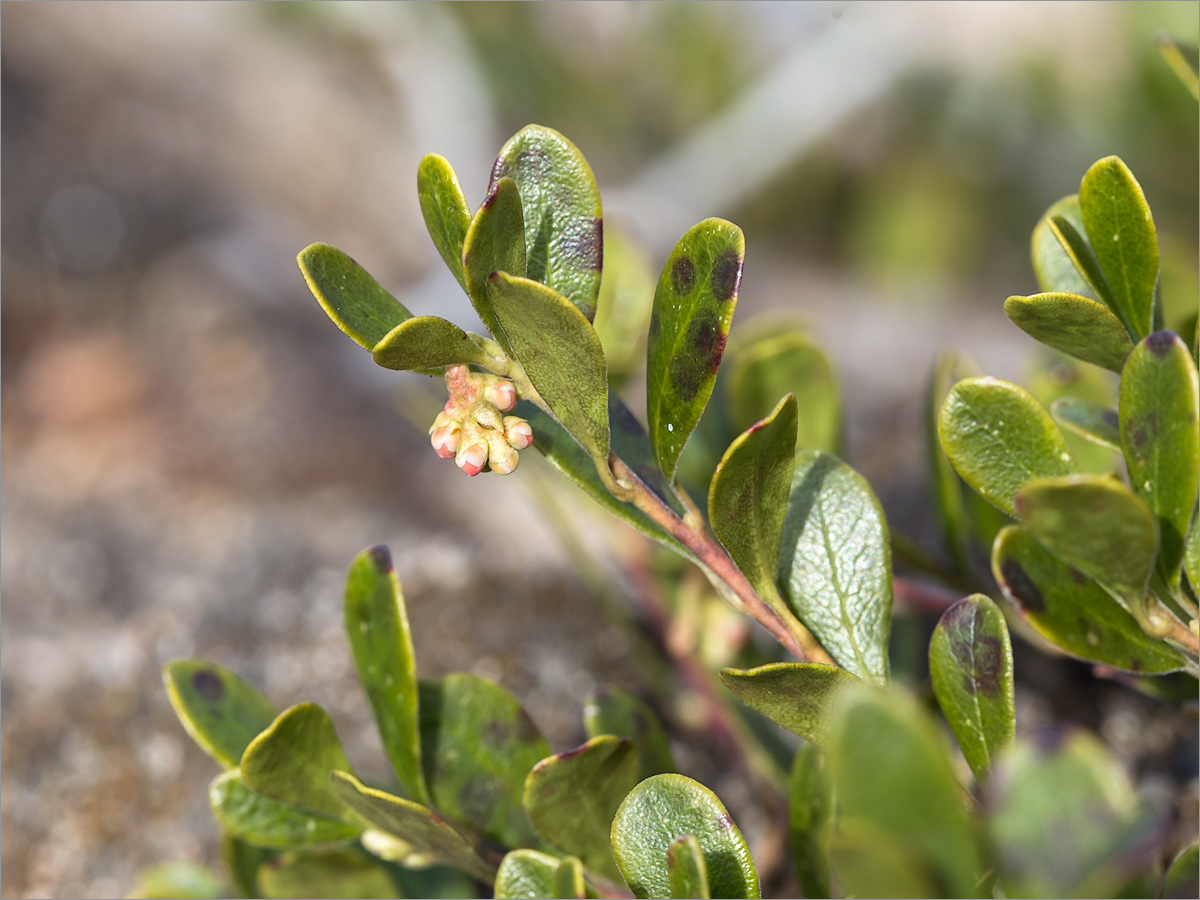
[971,666]
[568,881]
[810,819]
[686,869]
[1074,324]
[611,710]
[495,242]
[263,822]
[427,342]
[797,696]
[998,437]
[477,746]
[221,712]
[666,807]
[948,487]
[1160,433]
[380,640]
[561,354]
[871,861]
[1094,421]
[1053,263]
[693,307]
[1071,611]
[1072,238]
[1183,874]
[336,873]
[354,300]
[1121,232]
[526,875]
[836,565]
[445,210]
[564,226]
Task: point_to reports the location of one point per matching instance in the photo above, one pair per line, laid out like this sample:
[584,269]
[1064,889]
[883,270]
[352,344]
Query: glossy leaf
[1072,238]
[1121,232]
[687,872]
[336,873]
[971,666]
[445,210]
[571,798]
[890,769]
[836,565]
[998,437]
[611,710]
[1075,325]
[220,711]
[564,228]
[797,696]
[1063,818]
[1183,874]
[1094,421]
[494,243]
[477,746]
[349,295]
[693,307]
[1072,611]
[178,880]
[427,342]
[948,487]
[748,497]
[1160,433]
[380,640]
[1053,262]
[665,807]
[526,875]
[561,354]
[263,822]
[810,819]
[291,761]
[423,830]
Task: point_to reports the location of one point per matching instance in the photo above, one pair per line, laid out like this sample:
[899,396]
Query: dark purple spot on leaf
[984,676]
[1160,343]
[1021,586]
[493,191]
[724,822]
[685,376]
[683,275]
[531,164]
[1077,576]
[655,325]
[500,169]
[381,557]
[208,685]
[582,241]
[726,275]
[574,751]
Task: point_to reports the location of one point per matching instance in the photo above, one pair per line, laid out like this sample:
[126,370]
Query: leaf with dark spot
[355,301]
[1094,421]
[220,711]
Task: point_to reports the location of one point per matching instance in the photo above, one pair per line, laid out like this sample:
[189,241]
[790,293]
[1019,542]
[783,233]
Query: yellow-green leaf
[1075,325]
[263,822]
[354,300]
[427,342]
[798,696]
[220,711]
[445,211]
[495,242]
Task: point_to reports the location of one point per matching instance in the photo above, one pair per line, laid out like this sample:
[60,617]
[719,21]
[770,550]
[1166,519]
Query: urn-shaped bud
[517,432]
[501,394]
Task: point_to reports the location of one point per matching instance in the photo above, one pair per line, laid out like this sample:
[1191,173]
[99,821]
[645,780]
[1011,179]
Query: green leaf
[1072,238]
[611,710]
[836,567]
[1075,325]
[564,228]
[477,746]
[379,637]
[220,712]
[748,497]
[1183,874]
[244,861]
[427,342]
[568,880]
[797,696]
[970,664]
[1053,261]
[494,243]
[623,307]
[1160,432]
[182,880]
[687,872]
[1072,611]
[561,354]
[445,211]
[1053,377]
[1191,555]
[998,437]
[337,873]
[291,761]
[526,875]
[890,769]
[948,487]
[1121,232]
[665,807]
[428,835]
[810,819]
[1096,525]
[871,861]
[263,822]
[693,307]
[1063,818]
[571,798]
[349,295]
[1094,421]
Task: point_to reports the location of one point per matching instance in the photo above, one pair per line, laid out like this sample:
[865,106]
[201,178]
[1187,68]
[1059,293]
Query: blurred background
[192,453]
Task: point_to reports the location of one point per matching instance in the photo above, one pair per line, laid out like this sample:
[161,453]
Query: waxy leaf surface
[1071,610]
[948,487]
[349,295]
[1160,433]
[611,710]
[477,746]
[693,307]
[380,640]
[527,875]
[427,342]
[427,834]
[1072,238]
[998,437]
[1074,324]
[445,210]
[686,869]
[1053,263]
[571,798]
[1094,421]
[495,242]
[568,881]
[335,873]
[798,696]
[970,664]
[561,354]
[564,228]
[220,711]
[264,822]
[666,807]
[1121,232]
[810,819]
[836,565]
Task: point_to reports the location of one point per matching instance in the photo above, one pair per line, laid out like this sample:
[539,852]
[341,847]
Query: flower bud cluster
[472,430]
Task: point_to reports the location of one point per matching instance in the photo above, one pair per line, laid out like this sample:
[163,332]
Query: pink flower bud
[445,440]
[472,457]
[517,432]
[501,394]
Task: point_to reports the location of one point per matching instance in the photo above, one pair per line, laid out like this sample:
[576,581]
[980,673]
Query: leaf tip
[381,557]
